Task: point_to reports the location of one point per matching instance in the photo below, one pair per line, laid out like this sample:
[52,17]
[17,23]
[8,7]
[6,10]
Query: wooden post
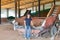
[43,7]
[15,8]
[51,4]
[33,6]
[39,8]
[0,11]
[54,2]
[26,8]
[19,10]
[36,8]
[7,12]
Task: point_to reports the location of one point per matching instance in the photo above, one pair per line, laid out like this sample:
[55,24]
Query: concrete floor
[7,33]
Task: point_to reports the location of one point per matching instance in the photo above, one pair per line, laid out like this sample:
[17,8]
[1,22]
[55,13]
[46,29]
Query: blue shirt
[28,21]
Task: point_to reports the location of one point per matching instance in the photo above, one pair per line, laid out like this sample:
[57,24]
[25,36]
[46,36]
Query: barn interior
[13,13]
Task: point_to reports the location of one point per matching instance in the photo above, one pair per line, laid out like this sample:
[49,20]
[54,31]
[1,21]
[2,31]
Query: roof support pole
[26,8]
[39,8]
[36,8]
[33,6]
[7,12]
[0,11]
[54,2]
[43,7]
[19,10]
[15,8]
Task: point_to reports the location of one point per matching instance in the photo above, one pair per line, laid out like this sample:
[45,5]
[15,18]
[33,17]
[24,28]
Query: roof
[23,3]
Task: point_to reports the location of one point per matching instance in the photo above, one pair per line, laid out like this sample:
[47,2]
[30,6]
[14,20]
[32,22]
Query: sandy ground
[7,33]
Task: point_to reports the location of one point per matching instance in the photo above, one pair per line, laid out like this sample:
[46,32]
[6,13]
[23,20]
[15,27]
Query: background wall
[12,12]
[3,13]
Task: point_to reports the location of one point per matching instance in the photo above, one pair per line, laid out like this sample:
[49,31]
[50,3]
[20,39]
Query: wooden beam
[0,11]
[43,7]
[19,9]
[15,8]
[7,12]
[39,8]
[36,8]
[33,6]
[7,3]
[21,4]
[54,2]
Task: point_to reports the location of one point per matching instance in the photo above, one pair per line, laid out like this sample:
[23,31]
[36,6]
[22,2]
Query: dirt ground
[7,33]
